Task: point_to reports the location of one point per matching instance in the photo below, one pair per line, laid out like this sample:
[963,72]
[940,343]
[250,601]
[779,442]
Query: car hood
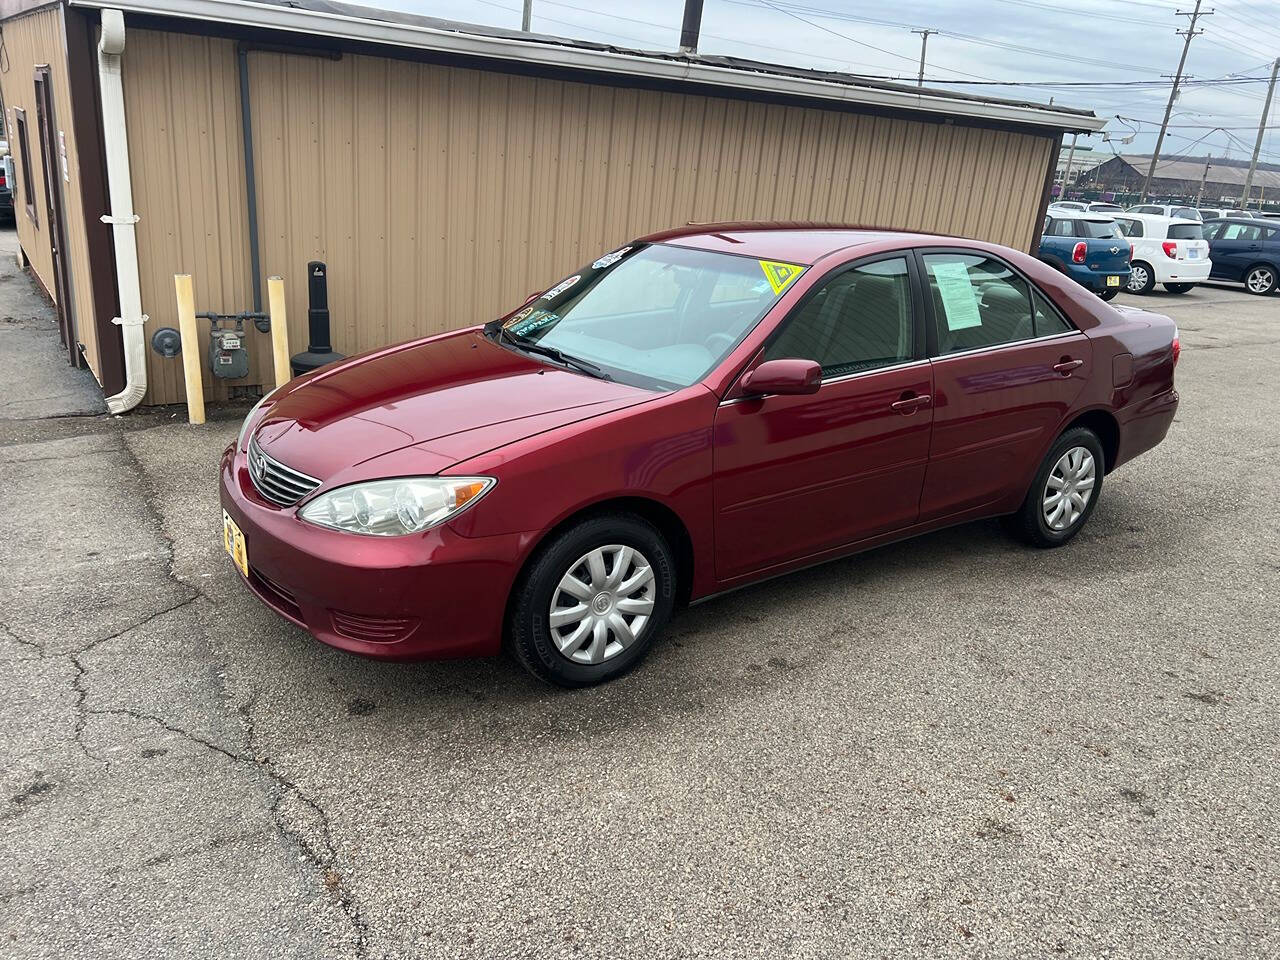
[449,397]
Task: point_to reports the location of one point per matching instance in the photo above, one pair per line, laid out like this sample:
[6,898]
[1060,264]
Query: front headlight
[244,427]
[394,508]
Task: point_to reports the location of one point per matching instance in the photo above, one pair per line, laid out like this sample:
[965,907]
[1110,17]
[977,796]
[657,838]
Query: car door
[1234,248]
[1007,365]
[799,475]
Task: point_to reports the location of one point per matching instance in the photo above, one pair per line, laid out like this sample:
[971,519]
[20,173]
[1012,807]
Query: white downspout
[122,219]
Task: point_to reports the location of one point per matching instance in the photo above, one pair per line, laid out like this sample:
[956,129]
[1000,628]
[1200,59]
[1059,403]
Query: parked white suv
[1167,250]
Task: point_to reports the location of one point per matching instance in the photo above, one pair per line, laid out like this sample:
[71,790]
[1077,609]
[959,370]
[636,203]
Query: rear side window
[1186,231]
[1240,231]
[1048,320]
[1130,228]
[859,320]
[977,302]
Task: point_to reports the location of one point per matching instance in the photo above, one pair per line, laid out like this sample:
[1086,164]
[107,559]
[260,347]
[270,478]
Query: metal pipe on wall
[250,175]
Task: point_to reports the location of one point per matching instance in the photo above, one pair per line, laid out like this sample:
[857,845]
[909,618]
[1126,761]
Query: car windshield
[1106,207]
[656,316]
[1098,229]
[1190,213]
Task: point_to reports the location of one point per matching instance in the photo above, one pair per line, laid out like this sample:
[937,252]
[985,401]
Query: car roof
[1093,216]
[794,242]
[1155,217]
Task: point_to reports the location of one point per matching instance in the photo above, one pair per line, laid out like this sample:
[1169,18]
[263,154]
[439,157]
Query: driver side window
[858,320]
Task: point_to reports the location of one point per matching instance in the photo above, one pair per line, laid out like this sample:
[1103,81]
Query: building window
[24,160]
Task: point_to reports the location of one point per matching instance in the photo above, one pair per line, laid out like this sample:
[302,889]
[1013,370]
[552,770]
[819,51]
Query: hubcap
[1260,280]
[602,603]
[1068,489]
[1137,278]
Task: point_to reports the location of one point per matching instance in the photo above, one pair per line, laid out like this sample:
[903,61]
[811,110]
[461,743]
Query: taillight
[1170,249]
[1078,252]
[1132,251]
[1177,347]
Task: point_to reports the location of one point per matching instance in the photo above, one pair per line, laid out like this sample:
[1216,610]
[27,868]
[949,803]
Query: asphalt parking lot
[955,746]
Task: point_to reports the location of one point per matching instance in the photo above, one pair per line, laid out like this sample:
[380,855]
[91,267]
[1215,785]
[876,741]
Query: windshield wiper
[568,359]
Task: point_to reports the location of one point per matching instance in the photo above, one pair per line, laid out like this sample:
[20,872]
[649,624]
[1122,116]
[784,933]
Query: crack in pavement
[323,859]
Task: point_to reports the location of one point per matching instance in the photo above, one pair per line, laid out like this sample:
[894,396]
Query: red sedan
[694,411]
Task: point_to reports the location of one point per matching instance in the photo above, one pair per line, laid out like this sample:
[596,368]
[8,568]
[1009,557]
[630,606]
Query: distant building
[1181,177]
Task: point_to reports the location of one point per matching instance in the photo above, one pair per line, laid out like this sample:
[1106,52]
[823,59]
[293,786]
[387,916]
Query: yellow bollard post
[190,347]
[279,330]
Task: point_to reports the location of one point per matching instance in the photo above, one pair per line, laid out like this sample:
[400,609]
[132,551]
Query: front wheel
[1178,287]
[1064,492]
[1140,278]
[1261,279]
[593,600]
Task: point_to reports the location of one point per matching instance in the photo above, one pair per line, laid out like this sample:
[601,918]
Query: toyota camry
[691,412]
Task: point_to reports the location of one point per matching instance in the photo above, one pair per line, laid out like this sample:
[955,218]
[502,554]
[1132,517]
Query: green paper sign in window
[959,301]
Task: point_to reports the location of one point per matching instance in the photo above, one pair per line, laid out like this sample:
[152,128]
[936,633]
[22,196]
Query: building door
[47,131]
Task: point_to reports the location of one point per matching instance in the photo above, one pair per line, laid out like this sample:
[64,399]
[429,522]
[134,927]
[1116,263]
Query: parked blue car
[1087,247]
[1245,251]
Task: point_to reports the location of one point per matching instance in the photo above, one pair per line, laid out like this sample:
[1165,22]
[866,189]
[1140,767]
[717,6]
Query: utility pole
[527,18]
[1203,177]
[1188,33]
[924,44]
[1262,126]
[691,26]
[1066,174]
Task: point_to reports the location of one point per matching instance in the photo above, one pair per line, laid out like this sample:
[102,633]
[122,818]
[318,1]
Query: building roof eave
[590,58]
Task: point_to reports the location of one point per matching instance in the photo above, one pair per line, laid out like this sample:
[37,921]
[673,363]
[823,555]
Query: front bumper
[430,596]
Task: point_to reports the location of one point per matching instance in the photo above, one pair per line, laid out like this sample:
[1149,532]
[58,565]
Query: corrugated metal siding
[30,41]
[182,106]
[440,197]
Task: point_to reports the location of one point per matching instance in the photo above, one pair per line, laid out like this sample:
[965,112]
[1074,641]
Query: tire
[1030,522]
[564,655]
[1109,294]
[1260,279]
[1178,287]
[1141,277]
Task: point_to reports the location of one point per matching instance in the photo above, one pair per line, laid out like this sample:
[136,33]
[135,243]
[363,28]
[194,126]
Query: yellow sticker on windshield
[780,275]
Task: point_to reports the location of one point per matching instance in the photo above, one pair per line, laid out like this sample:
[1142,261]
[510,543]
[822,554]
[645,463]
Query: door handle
[1066,366]
[909,405]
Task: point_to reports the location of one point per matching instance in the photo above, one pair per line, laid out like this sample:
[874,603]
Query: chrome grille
[281,485]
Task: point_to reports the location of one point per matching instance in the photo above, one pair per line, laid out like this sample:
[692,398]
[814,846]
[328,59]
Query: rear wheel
[1178,287]
[1064,492]
[1260,278]
[593,601]
[1141,279]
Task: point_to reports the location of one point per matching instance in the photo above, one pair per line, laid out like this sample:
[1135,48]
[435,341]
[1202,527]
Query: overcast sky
[1111,41]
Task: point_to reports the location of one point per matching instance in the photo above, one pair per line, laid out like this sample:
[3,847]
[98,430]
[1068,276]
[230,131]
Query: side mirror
[789,376]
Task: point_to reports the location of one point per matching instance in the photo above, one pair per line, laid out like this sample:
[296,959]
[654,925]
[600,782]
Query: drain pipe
[122,219]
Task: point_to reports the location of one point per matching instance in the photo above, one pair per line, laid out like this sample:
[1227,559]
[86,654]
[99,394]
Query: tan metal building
[442,170]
